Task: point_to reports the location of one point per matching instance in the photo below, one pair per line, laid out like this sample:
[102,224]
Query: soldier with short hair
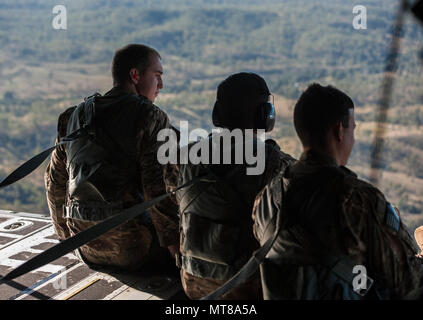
[337,233]
[93,178]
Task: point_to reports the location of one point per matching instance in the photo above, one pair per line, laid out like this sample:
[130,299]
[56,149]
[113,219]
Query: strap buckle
[66,212]
[362,291]
[344,268]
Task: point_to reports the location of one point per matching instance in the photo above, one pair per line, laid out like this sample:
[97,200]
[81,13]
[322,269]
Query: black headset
[265,118]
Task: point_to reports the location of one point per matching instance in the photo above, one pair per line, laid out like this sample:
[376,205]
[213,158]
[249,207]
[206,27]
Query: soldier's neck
[328,150]
[127,87]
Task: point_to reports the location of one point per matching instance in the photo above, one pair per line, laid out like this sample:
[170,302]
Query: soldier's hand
[418,235]
[173,249]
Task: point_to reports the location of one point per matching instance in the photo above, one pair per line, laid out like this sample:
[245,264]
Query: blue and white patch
[392,219]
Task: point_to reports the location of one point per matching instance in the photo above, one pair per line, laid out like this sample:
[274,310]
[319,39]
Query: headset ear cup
[270,117]
[266,117]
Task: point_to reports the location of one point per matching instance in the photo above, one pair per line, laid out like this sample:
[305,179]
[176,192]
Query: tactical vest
[102,165]
[327,274]
[216,226]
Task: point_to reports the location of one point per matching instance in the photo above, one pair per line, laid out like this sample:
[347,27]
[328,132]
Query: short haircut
[317,110]
[131,56]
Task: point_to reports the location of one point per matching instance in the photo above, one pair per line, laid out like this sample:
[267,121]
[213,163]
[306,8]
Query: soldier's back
[104,175]
[336,224]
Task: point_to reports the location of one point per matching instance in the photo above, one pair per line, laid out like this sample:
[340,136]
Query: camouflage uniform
[128,245]
[326,211]
[196,287]
[203,269]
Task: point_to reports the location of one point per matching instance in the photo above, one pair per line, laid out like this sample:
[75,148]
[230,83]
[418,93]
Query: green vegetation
[289,42]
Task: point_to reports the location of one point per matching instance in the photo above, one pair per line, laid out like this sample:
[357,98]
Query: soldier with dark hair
[215,214]
[339,237]
[91,179]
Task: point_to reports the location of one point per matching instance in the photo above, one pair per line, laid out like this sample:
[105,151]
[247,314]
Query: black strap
[256,259]
[245,272]
[33,163]
[88,235]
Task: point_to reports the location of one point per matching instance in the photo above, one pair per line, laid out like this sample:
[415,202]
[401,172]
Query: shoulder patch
[391,217]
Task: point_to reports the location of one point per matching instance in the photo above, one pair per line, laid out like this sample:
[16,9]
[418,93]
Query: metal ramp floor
[24,235]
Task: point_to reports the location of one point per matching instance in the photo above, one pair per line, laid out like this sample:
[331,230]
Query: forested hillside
[290,43]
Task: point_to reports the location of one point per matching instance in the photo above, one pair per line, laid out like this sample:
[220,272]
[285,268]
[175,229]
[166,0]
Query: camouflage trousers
[196,288]
[127,247]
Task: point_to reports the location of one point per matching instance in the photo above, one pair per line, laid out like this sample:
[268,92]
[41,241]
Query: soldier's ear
[339,132]
[134,75]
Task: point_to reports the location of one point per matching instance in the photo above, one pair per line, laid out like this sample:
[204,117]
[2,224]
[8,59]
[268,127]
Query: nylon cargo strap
[88,235]
[246,271]
[252,265]
[342,267]
[33,163]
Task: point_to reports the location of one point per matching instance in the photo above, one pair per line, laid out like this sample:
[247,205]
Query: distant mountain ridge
[290,43]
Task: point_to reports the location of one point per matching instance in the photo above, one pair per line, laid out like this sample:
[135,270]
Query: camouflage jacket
[147,121]
[326,211]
